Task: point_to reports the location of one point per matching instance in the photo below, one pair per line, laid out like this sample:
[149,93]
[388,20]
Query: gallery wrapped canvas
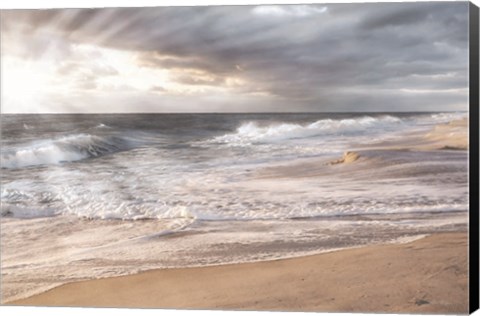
[304,157]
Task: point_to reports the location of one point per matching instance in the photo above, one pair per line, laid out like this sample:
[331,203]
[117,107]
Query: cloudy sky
[322,57]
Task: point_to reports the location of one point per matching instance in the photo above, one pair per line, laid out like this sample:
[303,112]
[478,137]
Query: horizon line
[279,112]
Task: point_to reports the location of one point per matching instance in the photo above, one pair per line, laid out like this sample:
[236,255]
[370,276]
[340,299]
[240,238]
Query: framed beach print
[307,157]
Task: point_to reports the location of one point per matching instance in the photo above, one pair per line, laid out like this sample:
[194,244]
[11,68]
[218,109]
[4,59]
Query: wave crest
[251,132]
[65,149]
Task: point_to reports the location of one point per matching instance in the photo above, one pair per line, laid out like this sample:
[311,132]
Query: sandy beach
[428,275]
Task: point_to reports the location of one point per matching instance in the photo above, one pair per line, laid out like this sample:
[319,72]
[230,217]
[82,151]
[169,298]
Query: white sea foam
[448,117]
[101,125]
[63,149]
[252,132]
[438,118]
[256,200]
[61,249]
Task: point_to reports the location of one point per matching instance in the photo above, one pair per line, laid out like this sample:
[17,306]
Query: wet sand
[428,275]
[449,136]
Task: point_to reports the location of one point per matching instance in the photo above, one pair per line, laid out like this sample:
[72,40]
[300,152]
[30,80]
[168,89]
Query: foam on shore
[371,279]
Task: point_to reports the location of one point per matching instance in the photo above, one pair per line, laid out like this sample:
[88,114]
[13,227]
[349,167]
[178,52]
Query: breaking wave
[252,132]
[64,149]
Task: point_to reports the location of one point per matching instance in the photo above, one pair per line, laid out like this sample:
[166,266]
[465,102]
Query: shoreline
[421,276]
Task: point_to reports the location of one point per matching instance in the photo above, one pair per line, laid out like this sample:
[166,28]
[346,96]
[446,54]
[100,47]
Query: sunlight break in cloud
[291,10]
[268,58]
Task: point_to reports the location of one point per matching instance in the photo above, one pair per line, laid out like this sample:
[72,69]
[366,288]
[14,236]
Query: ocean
[96,195]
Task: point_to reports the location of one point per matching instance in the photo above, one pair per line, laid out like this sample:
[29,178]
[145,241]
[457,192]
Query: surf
[253,133]
[61,150]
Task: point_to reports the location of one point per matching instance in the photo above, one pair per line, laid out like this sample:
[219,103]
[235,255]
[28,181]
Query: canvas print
[307,157]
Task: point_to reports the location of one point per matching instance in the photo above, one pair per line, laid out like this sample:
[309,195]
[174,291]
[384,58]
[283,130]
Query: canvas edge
[474,158]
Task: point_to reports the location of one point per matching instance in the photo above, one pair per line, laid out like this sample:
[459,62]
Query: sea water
[88,196]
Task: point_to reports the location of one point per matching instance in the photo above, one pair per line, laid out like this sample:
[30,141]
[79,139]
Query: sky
[265,58]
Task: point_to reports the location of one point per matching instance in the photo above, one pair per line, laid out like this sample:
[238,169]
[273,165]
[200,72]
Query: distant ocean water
[87,196]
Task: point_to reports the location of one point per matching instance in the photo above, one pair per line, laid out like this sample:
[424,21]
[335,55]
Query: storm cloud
[322,57]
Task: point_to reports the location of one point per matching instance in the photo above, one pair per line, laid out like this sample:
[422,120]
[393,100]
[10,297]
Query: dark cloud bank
[331,57]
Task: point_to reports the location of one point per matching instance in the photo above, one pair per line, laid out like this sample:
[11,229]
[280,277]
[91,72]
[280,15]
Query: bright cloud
[290,10]
[378,57]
